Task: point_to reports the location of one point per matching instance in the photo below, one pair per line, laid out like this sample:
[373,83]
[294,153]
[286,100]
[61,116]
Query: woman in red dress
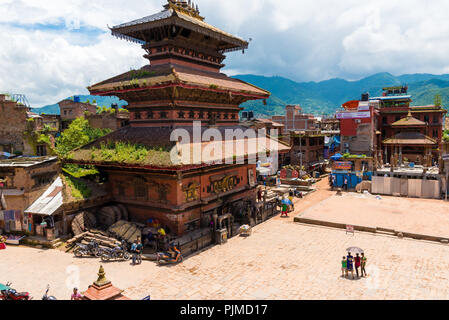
[2,243]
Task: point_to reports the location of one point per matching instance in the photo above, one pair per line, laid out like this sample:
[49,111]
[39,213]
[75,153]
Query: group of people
[333,182]
[287,207]
[349,263]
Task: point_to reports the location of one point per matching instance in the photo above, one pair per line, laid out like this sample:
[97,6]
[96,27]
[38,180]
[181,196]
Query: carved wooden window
[192,115]
[201,115]
[141,189]
[181,114]
[137,116]
[150,114]
[121,189]
[163,115]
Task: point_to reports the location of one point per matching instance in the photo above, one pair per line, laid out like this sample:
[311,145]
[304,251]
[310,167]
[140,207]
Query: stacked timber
[93,235]
[125,230]
[82,222]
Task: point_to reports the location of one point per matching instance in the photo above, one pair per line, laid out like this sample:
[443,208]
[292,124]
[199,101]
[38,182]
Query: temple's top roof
[181,14]
[408,121]
[155,76]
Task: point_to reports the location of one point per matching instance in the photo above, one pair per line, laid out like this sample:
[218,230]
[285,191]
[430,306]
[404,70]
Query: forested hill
[325,97]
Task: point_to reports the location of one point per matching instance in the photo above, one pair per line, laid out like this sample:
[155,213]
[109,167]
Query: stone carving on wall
[225,184]
[162,190]
[191,192]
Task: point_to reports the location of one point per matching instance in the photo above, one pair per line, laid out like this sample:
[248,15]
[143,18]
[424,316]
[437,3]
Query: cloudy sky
[53,49]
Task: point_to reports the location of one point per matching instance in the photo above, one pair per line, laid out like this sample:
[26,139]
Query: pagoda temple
[181,86]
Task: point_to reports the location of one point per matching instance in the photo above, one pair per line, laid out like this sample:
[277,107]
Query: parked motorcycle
[116,253]
[90,249]
[10,294]
[172,256]
[46,296]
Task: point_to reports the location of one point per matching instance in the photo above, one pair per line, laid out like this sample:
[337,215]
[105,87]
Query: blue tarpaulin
[336,157]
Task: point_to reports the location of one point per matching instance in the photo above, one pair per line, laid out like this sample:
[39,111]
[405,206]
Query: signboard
[283,174]
[342,165]
[349,229]
[353,115]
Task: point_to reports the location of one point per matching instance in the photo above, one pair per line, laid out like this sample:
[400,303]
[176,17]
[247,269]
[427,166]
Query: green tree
[78,134]
[438,101]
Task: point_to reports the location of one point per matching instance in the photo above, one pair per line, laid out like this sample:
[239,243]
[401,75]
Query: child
[344,269]
[284,210]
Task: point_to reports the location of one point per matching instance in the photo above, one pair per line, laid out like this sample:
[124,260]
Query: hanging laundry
[9,215]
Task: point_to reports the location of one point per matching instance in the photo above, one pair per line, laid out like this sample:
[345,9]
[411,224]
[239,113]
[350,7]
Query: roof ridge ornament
[185,7]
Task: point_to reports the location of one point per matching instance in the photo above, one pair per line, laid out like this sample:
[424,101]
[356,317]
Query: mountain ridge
[319,98]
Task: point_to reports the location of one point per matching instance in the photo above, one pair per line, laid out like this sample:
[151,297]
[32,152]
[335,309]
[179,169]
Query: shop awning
[50,202]
[264,171]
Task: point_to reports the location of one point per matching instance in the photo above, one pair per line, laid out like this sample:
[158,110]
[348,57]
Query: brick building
[295,119]
[358,123]
[109,120]
[307,148]
[19,129]
[25,180]
[72,109]
[389,128]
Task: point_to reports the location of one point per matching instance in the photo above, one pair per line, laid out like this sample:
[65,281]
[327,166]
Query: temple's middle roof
[172,74]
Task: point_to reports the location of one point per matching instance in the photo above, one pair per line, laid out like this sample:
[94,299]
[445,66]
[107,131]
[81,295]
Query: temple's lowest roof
[150,148]
[151,77]
[410,138]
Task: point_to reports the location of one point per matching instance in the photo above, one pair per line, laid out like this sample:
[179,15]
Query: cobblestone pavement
[281,260]
[422,216]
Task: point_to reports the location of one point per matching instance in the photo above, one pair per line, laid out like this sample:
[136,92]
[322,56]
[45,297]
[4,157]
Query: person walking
[76,295]
[350,264]
[136,250]
[344,267]
[284,210]
[345,183]
[357,260]
[363,265]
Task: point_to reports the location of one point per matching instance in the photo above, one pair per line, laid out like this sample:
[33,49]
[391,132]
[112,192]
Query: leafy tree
[438,100]
[78,133]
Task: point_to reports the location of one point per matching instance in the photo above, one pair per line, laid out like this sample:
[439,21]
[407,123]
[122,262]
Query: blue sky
[54,49]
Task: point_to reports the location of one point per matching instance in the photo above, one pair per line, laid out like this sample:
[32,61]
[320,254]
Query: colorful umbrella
[355,250]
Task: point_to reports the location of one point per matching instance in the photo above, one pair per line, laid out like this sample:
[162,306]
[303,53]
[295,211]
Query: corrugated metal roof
[49,202]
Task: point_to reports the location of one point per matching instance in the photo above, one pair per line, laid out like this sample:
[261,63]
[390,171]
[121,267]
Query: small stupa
[102,289]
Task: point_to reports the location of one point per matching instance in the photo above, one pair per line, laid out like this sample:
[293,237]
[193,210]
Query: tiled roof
[125,30]
[176,74]
[157,141]
[410,138]
[408,121]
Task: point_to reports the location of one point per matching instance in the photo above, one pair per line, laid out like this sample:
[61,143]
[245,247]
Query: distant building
[24,180]
[358,123]
[307,148]
[294,119]
[113,118]
[20,129]
[388,128]
[72,109]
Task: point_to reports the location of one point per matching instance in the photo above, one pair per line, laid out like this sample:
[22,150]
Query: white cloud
[304,40]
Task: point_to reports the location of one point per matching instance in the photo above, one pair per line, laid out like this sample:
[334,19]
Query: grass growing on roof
[122,152]
[79,189]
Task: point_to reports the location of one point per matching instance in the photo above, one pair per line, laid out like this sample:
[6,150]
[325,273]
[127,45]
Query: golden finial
[101,281]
